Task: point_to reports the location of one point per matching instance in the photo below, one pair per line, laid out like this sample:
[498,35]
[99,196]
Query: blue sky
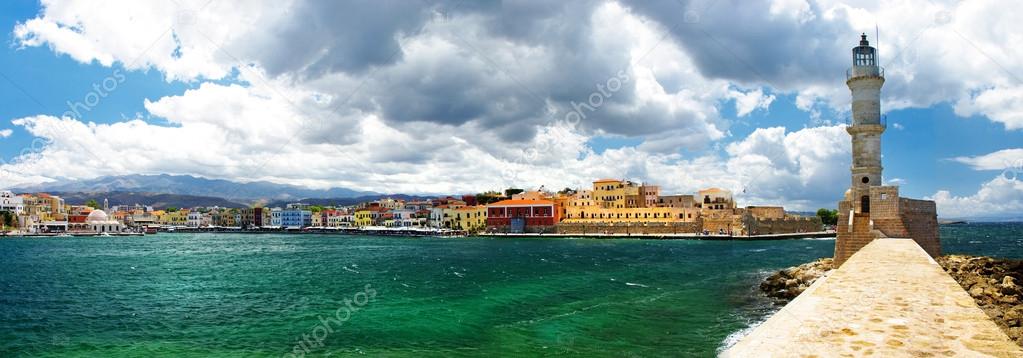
[400,99]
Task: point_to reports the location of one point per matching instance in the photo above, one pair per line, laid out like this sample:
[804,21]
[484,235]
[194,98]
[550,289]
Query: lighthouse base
[883,214]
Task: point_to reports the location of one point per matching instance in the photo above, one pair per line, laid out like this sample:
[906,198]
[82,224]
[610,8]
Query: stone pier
[890,299]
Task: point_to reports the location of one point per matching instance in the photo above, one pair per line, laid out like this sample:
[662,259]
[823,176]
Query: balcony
[883,122]
[864,71]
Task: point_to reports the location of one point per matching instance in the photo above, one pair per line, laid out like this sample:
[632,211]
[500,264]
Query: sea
[280,295]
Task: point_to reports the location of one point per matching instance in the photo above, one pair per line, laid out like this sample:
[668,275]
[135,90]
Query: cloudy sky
[462,96]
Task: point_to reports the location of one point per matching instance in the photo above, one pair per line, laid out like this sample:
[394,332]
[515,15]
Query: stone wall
[629,228]
[884,202]
[920,219]
[848,242]
[766,212]
[784,226]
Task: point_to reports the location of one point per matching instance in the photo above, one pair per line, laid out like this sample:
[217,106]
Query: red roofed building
[522,215]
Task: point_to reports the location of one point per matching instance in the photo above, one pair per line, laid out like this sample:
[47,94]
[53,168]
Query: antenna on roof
[877,44]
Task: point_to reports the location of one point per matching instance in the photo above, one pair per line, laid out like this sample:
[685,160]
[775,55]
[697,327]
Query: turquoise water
[258,295]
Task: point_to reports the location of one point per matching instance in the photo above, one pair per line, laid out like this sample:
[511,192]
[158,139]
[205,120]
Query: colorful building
[522,216]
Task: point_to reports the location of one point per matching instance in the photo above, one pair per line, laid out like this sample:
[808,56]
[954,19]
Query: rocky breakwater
[789,283]
[995,284]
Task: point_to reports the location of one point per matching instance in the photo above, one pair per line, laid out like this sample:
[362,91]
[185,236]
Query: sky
[426,97]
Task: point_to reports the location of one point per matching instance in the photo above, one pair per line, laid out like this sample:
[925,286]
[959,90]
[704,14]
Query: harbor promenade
[890,299]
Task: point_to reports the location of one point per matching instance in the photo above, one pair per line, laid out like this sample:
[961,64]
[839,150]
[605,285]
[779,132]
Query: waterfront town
[609,207]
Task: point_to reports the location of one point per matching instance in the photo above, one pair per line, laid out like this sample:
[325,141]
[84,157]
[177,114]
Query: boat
[104,234]
[64,234]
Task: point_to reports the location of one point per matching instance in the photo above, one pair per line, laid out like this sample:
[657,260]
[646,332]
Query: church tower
[865,79]
[871,210]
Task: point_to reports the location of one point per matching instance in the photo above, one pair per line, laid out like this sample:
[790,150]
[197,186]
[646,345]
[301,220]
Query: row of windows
[631,216]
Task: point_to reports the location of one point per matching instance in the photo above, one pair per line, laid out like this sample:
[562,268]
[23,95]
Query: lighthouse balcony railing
[882,121]
[864,71]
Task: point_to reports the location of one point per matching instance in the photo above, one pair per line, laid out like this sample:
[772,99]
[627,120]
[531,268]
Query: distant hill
[157,200]
[345,201]
[194,186]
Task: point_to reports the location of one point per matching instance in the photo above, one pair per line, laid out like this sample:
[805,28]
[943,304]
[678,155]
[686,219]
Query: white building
[344,220]
[98,221]
[406,218]
[11,202]
[194,219]
[275,217]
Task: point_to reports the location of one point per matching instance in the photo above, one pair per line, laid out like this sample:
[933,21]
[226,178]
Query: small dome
[96,216]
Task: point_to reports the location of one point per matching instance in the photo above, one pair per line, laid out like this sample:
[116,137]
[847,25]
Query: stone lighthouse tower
[865,79]
[870,210]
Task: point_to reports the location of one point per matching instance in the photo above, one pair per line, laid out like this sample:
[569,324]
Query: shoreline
[824,235]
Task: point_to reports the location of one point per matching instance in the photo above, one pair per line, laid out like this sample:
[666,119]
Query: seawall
[890,299]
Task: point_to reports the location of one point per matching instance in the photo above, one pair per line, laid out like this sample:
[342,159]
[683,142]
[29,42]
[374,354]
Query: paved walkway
[889,300]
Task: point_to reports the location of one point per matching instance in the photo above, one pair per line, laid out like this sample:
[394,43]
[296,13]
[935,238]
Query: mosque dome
[97,216]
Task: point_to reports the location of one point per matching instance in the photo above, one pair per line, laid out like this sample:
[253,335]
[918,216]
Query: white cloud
[4,133]
[1003,105]
[1000,160]
[999,198]
[470,89]
[746,103]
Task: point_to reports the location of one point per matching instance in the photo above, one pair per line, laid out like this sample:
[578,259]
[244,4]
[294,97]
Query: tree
[7,218]
[566,191]
[487,198]
[512,191]
[171,209]
[828,217]
[92,204]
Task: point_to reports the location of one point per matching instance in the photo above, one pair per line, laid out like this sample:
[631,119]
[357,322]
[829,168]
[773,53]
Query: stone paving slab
[889,300]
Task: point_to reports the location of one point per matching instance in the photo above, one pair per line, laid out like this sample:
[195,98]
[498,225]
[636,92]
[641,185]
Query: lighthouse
[865,79]
[870,210]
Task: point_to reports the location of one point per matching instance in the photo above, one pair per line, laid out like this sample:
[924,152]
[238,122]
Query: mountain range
[255,191]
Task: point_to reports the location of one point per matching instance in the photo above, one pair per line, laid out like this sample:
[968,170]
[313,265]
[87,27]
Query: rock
[788,283]
[993,284]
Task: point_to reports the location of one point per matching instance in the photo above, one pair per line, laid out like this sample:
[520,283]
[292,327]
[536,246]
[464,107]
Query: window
[865,180]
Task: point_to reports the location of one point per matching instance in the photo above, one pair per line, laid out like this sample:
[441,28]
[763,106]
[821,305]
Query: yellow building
[614,193]
[607,204]
[470,218]
[363,217]
[173,218]
[596,214]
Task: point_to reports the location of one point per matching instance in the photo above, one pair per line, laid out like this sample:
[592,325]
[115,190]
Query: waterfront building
[194,218]
[407,218]
[870,210]
[275,217]
[419,205]
[470,218]
[676,201]
[255,217]
[12,203]
[369,216]
[715,199]
[436,218]
[296,216]
[519,216]
[614,193]
[342,220]
[97,221]
[174,218]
